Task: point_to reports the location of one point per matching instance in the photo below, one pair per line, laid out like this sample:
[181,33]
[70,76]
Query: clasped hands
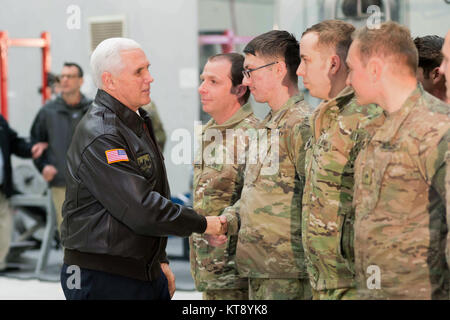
[216,230]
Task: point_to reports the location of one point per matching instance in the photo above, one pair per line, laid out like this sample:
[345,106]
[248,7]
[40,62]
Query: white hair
[106,57]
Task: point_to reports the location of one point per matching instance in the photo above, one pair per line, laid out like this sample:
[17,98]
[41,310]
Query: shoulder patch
[116,155]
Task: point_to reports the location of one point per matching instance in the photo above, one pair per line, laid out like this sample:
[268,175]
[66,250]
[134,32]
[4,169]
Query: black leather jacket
[117,215]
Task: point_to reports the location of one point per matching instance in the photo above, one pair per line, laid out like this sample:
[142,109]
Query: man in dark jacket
[10,143]
[55,123]
[116,216]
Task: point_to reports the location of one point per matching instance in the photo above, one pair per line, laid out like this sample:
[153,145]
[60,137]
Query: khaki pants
[58,195]
[6,229]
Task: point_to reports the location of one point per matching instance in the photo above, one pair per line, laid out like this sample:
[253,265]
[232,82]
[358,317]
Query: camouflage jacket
[400,225]
[447,186]
[217,185]
[158,128]
[328,215]
[268,215]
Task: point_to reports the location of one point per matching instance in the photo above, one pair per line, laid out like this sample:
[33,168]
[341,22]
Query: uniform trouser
[335,294]
[279,289]
[226,294]
[6,228]
[58,195]
[98,285]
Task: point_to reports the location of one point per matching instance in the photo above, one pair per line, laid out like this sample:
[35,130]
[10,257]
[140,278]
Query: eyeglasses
[68,76]
[246,72]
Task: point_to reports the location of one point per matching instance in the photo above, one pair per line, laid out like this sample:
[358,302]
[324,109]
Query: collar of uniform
[337,102]
[237,117]
[396,119]
[273,118]
[125,114]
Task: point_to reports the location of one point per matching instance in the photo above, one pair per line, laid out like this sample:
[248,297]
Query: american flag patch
[116,155]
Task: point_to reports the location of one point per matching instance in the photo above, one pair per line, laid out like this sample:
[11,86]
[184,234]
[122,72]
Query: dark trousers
[85,284]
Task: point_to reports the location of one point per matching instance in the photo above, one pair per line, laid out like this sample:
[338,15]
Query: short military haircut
[237,66]
[430,52]
[277,44]
[336,34]
[73,64]
[390,40]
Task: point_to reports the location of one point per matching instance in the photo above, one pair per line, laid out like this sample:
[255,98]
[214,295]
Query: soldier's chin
[360,100]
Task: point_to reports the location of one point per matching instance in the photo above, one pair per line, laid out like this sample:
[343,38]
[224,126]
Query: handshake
[216,225]
[216,230]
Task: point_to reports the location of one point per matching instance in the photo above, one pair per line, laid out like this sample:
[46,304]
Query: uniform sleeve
[437,169]
[232,212]
[129,197]
[435,165]
[447,204]
[298,138]
[233,218]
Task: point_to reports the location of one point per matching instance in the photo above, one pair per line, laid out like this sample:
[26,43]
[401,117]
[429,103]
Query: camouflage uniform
[158,128]
[400,225]
[268,215]
[217,186]
[447,186]
[328,215]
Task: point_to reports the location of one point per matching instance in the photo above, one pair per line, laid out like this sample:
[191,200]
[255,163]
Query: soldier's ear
[281,69]
[239,90]
[436,76]
[335,64]
[375,67]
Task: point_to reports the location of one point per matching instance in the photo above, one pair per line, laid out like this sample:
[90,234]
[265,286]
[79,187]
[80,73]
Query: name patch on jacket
[116,155]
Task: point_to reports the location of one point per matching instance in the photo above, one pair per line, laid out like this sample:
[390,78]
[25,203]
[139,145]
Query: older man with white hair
[117,216]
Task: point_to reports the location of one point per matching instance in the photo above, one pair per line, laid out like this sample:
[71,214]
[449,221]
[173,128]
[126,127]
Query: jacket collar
[83,104]
[243,112]
[396,119]
[273,119]
[130,118]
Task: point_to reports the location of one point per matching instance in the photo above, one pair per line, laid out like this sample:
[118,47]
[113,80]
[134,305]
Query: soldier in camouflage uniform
[337,131]
[400,225]
[445,66]
[218,181]
[430,58]
[447,186]
[445,70]
[267,217]
[158,128]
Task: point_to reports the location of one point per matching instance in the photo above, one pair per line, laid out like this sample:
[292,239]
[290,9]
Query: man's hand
[216,241]
[38,149]
[216,225]
[170,278]
[49,172]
